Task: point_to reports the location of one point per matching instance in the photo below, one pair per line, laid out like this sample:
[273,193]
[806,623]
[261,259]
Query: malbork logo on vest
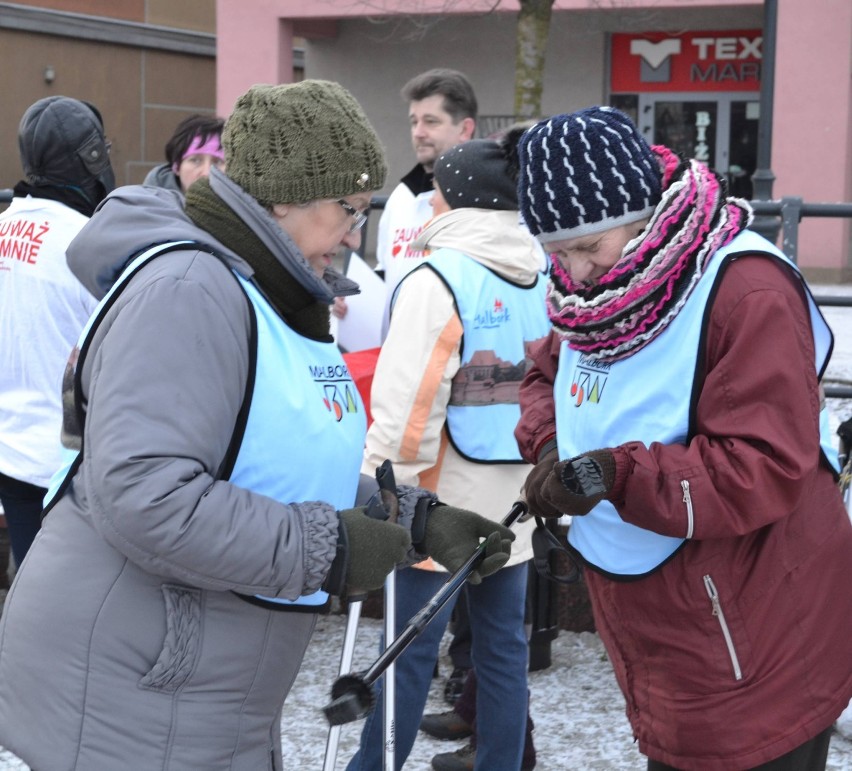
[588,381]
[337,388]
[492,317]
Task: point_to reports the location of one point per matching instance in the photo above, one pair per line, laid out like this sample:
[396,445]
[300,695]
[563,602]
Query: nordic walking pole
[389,691]
[352,695]
[387,484]
[389,509]
[352,618]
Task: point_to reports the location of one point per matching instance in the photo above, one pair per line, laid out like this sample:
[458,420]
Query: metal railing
[791,209]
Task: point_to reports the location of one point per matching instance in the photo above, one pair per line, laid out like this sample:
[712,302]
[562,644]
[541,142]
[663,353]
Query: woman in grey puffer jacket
[163,612]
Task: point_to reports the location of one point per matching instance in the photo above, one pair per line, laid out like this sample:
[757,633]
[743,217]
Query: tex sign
[693,61]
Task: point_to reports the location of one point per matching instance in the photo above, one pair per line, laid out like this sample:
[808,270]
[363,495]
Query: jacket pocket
[719,613]
[180,646]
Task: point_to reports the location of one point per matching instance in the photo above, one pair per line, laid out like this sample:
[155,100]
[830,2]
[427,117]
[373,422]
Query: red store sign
[693,61]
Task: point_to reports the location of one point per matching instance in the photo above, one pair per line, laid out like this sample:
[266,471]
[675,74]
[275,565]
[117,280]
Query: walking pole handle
[352,695]
[383,505]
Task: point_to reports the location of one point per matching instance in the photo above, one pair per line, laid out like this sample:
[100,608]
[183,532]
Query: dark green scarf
[293,302]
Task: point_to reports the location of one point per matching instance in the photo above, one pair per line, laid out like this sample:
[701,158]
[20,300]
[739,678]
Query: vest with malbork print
[304,431]
[646,397]
[304,437]
[500,320]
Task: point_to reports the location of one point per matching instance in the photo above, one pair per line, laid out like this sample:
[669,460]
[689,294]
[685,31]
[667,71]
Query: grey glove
[451,535]
[367,550]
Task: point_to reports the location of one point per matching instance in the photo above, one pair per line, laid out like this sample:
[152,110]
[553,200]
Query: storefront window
[743,147]
[628,104]
[688,128]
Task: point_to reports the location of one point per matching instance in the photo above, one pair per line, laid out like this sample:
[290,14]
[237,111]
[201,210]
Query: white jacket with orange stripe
[420,357]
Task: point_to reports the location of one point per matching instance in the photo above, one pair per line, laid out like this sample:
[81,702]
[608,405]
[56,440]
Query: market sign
[692,61]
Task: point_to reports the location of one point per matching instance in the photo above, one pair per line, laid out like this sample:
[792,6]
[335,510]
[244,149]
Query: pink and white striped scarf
[640,295]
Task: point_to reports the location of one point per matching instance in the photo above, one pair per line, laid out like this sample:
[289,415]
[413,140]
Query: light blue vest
[304,434]
[306,427]
[647,397]
[500,321]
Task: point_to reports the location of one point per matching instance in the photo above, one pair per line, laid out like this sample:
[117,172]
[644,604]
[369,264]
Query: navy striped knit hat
[584,173]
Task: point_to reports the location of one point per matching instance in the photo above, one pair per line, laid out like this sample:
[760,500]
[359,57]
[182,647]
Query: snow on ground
[575,703]
[576,706]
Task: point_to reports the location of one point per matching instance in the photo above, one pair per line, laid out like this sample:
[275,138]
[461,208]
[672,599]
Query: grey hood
[128,221]
[162,176]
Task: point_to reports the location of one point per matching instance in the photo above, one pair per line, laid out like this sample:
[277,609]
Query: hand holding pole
[352,694]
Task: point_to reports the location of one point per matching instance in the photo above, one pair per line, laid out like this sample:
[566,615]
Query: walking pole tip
[351,699]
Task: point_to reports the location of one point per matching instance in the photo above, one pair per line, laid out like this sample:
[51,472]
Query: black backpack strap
[545,548]
[227,465]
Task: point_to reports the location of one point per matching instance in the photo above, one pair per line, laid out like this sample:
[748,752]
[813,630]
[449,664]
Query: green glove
[451,535]
[367,550]
[577,485]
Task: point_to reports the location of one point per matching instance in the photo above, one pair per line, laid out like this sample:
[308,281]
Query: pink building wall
[812,134]
[253,39]
[812,126]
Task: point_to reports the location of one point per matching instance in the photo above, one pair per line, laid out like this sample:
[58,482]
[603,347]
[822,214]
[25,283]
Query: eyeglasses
[359,217]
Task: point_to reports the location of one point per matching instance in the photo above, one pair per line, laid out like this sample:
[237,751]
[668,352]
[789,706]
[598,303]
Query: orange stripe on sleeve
[433,374]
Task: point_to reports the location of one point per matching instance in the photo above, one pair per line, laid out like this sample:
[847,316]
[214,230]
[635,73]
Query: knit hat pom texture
[476,175]
[584,173]
[302,142]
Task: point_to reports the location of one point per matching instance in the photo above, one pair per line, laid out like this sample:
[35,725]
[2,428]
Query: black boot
[455,684]
[446,725]
[460,760]
[465,758]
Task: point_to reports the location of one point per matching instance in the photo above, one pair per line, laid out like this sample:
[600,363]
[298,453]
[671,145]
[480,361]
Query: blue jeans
[22,505]
[499,652]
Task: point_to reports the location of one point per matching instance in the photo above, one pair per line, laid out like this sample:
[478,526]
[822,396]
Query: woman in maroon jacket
[675,412]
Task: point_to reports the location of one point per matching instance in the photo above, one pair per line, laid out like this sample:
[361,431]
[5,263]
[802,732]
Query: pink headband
[199,147]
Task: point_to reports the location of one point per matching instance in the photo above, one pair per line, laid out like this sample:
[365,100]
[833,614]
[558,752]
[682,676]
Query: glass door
[742,147]
[718,129]
[688,128]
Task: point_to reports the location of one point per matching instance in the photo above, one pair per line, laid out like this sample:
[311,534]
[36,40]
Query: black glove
[534,484]
[367,550]
[450,535]
[577,485]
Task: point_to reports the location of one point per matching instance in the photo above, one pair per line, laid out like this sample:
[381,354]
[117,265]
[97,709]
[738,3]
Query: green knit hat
[302,142]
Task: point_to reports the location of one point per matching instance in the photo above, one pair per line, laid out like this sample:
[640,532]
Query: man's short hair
[459,99]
